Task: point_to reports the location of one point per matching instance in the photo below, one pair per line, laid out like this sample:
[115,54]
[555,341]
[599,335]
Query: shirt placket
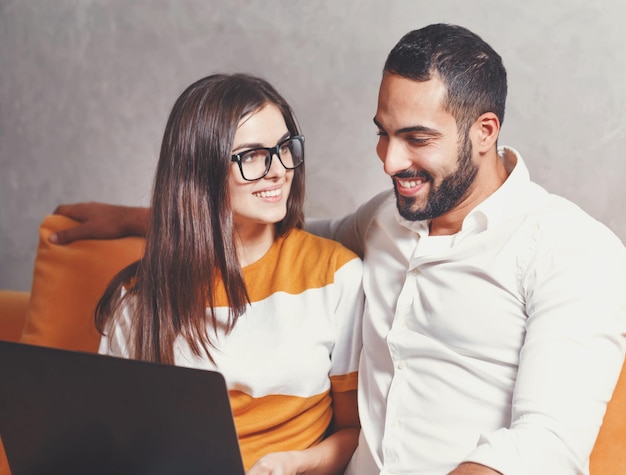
[396,429]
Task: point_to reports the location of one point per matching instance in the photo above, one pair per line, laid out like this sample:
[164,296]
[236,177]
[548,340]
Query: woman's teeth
[268,194]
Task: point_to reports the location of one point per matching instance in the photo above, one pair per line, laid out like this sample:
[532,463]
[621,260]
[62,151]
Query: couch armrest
[609,453]
[13,306]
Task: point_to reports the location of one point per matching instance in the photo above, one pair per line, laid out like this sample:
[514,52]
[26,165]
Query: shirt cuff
[522,452]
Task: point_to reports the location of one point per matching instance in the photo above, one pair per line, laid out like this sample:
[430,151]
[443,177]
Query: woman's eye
[253,156]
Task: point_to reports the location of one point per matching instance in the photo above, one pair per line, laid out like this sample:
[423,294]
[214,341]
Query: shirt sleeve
[352,228]
[572,355]
[345,355]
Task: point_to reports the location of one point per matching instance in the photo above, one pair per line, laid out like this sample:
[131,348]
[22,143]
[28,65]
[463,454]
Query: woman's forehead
[265,125]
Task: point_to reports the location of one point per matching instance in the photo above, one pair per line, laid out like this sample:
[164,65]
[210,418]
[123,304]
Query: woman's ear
[485,132]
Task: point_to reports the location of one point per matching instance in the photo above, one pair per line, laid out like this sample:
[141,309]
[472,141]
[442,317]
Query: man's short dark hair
[470,69]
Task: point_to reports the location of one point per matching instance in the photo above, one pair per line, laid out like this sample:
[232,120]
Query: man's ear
[485,132]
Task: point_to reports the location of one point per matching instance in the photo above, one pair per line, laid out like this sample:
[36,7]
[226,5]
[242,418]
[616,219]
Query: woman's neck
[253,242]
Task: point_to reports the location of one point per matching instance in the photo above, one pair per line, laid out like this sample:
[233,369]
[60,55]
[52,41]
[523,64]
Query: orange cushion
[609,453]
[13,306]
[68,281]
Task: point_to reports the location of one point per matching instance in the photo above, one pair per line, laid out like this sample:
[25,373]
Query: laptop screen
[66,412]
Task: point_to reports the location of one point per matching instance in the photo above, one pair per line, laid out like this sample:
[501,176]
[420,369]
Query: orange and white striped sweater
[298,342]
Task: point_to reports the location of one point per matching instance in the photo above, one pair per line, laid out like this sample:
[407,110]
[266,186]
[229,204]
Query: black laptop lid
[71,413]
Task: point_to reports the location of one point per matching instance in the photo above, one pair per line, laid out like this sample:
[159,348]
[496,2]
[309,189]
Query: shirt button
[401,365]
[401,323]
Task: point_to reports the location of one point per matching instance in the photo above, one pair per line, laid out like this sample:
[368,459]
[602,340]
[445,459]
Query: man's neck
[491,175]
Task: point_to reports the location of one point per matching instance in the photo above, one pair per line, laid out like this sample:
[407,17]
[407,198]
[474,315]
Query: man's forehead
[404,102]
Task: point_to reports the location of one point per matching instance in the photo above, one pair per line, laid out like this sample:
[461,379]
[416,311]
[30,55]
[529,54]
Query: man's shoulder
[382,202]
[565,220]
[381,209]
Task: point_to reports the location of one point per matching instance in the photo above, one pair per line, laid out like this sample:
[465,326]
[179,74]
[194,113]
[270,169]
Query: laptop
[71,413]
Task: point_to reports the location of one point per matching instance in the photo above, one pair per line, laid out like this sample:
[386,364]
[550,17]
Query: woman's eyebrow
[253,145]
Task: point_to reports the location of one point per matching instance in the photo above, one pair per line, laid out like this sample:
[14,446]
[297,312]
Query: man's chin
[407,211]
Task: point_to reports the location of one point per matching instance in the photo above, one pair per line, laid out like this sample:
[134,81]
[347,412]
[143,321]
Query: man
[495,314]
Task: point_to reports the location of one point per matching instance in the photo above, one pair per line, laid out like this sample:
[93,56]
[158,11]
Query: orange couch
[68,281]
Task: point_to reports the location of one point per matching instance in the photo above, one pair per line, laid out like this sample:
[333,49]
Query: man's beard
[444,197]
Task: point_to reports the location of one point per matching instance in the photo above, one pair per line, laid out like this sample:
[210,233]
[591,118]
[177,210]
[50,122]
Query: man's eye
[418,140]
[381,133]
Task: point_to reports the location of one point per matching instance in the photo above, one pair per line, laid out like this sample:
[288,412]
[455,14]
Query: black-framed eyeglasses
[255,163]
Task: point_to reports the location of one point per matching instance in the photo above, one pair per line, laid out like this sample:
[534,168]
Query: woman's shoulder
[303,250]
[308,243]
[314,261]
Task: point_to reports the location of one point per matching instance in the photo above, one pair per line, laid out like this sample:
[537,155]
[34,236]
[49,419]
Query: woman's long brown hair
[190,245]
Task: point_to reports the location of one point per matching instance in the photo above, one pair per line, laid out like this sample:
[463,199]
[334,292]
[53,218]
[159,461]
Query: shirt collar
[502,203]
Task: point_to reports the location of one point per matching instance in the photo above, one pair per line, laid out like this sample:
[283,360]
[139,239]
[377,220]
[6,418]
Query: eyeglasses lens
[256,163]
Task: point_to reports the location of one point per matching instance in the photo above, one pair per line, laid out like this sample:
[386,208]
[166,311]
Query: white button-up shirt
[500,344]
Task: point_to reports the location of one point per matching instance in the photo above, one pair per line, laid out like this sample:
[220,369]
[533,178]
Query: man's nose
[394,156]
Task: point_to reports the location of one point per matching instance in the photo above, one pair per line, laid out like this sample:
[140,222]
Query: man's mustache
[408,174]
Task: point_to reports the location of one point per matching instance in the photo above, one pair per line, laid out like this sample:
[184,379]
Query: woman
[229,280]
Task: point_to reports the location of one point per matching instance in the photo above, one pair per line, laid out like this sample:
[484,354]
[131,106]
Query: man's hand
[469,468]
[101,221]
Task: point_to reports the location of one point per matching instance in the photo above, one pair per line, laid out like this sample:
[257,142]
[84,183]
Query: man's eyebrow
[411,129]
[418,128]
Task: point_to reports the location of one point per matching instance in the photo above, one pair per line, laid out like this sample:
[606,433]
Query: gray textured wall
[86,87]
